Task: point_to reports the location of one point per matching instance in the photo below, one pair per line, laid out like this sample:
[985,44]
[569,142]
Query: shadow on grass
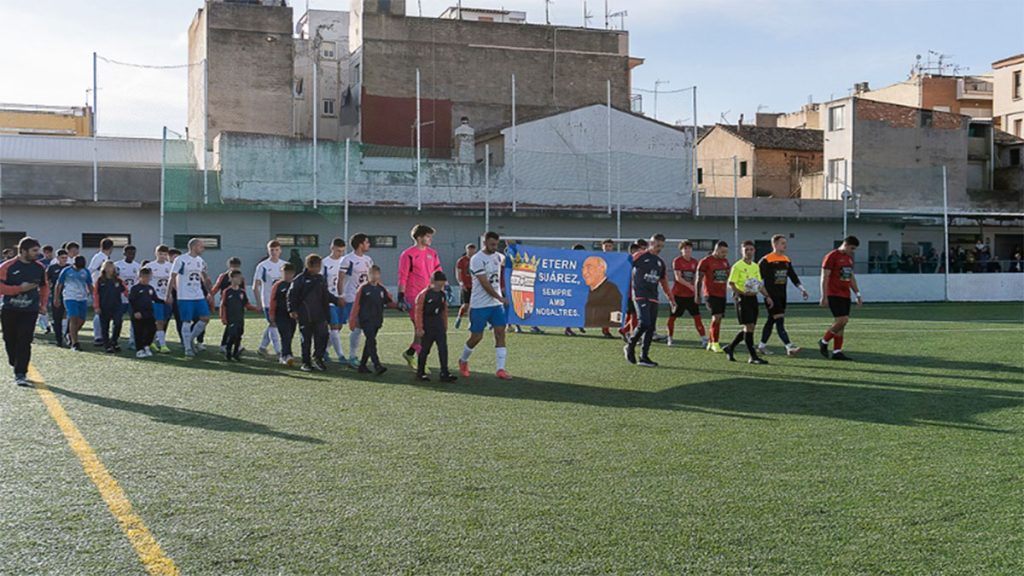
[761,398]
[185,417]
[955,366]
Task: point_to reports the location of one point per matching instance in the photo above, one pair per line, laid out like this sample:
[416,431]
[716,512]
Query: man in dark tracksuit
[648,275]
[56,312]
[309,304]
[431,320]
[25,292]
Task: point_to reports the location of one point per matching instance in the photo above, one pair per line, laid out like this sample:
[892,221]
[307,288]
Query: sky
[743,55]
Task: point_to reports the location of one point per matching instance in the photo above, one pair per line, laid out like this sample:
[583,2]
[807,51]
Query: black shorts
[630,307]
[778,304]
[839,306]
[466,295]
[686,304]
[716,304]
[746,309]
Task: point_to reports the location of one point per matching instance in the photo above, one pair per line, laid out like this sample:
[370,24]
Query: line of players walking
[345,289]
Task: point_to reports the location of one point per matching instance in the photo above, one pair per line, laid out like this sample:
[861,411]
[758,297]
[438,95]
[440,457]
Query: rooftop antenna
[587,15]
[723,118]
[621,14]
[657,84]
[547,11]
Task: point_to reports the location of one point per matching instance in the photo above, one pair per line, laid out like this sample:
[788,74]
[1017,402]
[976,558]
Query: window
[298,240]
[297,88]
[11,239]
[211,241]
[1015,157]
[836,117]
[700,175]
[93,239]
[743,169]
[836,167]
[1017,129]
[327,50]
[328,107]
[383,241]
[1016,85]
[926,118]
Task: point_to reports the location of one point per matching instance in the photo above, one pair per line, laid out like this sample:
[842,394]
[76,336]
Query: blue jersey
[648,272]
[76,283]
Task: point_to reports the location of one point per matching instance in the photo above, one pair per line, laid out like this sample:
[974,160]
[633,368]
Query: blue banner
[566,288]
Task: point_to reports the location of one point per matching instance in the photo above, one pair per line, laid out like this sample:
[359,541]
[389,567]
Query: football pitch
[909,460]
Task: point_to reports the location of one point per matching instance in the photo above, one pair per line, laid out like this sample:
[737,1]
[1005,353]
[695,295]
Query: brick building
[770,162]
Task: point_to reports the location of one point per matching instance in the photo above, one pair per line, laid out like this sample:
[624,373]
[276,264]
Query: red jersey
[462,269]
[715,273]
[840,274]
[688,268]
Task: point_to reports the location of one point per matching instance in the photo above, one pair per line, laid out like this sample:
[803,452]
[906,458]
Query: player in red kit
[713,278]
[465,281]
[837,279]
[684,268]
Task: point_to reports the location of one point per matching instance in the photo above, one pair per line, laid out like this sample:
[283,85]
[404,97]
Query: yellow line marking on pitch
[152,556]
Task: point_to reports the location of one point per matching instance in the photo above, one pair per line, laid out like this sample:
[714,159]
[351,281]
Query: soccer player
[631,321]
[189,285]
[46,258]
[279,316]
[142,299]
[107,294]
[309,304]
[24,294]
[355,271]
[487,305]
[432,327]
[332,270]
[777,271]
[648,274]
[57,265]
[465,281]
[223,282]
[267,272]
[368,316]
[837,279]
[416,266]
[713,279]
[74,290]
[128,272]
[233,304]
[745,282]
[106,247]
[684,292]
[160,272]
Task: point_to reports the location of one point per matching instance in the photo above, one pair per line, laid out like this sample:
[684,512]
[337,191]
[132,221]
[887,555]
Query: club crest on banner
[522,282]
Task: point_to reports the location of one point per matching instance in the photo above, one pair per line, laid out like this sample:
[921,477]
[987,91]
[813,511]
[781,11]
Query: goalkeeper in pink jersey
[416,267]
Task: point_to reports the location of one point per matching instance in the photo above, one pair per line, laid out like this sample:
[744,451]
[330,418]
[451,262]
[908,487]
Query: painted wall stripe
[152,556]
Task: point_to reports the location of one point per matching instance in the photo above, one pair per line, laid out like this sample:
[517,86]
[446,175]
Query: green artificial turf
[909,460]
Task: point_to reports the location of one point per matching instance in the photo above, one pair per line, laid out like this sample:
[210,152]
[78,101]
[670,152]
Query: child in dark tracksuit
[431,318]
[279,317]
[368,316]
[107,301]
[223,283]
[233,304]
[141,298]
[309,304]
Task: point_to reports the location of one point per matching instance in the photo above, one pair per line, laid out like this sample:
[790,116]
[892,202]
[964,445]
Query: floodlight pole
[163,182]
[945,230]
[735,203]
[487,187]
[95,144]
[609,151]
[696,169]
[206,129]
[419,143]
[348,142]
[515,142]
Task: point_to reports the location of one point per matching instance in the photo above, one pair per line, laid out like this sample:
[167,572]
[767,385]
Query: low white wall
[1004,287]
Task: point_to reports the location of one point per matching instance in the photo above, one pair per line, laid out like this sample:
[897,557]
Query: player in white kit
[331,267]
[267,273]
[355,269]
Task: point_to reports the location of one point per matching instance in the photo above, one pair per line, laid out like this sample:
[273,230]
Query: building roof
[17,148]
[776,138]
[1018,59]
[1006,139]
[523,120]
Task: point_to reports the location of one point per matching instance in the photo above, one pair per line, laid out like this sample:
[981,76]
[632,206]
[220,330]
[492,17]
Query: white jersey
[357,270]
[161,277]
[190,270]
[268,273]
[128,272]
[96,264]
[331,267]
[490,266]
